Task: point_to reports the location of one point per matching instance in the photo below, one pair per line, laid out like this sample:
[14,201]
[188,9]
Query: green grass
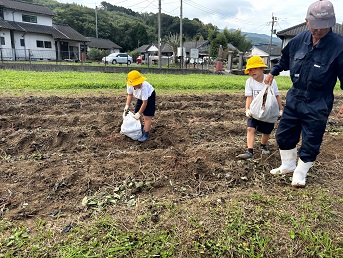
[21,82]
[29,81]
[249,226]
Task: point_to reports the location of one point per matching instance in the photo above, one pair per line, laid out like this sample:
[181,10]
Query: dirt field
[57,150]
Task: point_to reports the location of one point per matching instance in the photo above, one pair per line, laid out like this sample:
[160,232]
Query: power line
[215,13]
[143,5]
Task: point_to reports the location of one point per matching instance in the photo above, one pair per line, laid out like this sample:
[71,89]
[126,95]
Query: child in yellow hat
[254,84]
[138,87]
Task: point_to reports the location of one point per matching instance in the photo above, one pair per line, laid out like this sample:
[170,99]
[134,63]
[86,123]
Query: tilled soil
[55,151]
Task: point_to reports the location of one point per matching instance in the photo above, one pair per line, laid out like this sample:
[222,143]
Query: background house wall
[18,17]
[8,15]
[11,15]
[36,37]
[7,37]
[255,51]
[31,41]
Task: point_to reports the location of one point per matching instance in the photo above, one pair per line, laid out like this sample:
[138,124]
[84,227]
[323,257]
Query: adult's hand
[269,79]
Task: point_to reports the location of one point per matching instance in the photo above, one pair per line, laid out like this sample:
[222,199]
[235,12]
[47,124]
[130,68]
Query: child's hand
[137,116]
[248,113]
[126,108]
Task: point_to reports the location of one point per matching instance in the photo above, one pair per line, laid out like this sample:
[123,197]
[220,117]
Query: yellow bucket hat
[134,78]
[254,62]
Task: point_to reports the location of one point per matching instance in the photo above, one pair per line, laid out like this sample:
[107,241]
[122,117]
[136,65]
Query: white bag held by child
[131,127]
[268,111]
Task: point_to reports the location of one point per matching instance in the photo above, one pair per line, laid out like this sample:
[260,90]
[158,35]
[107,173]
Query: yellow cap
[134,78]
[254,62]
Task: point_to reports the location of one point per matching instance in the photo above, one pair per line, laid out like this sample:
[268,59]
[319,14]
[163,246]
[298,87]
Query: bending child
[138,87]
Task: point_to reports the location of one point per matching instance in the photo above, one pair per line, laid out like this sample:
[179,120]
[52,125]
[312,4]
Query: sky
[254,16]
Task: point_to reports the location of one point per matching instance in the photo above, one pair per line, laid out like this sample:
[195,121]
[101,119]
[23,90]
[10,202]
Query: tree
[126,27]
[173,40]
[94,54]
[237,39]
[84,24]
[220,40]
[137,33]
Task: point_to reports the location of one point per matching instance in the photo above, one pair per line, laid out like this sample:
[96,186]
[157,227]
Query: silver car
[117,58]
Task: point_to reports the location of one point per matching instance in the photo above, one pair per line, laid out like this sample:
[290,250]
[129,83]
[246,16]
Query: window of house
[40,43]
[44,44]
[2,40]
[22,42]
[47,44]
[29,18]
[1,13]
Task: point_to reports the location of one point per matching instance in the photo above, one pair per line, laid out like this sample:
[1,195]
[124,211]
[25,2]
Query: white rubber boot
[288,162]
[299,175]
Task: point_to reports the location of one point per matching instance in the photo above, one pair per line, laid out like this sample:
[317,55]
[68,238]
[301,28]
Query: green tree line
[131,29]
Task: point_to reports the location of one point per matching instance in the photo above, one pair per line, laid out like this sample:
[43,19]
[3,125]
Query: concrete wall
[104,69]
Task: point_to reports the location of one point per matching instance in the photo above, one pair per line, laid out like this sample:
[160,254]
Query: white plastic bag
[268,111]
[130,126]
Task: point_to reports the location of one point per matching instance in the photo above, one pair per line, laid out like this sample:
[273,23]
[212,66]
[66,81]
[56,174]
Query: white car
[117,58]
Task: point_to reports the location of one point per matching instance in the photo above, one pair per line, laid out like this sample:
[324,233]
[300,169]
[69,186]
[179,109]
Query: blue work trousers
[305,115]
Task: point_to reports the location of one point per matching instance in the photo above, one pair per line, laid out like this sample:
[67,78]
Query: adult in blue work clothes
[315,60]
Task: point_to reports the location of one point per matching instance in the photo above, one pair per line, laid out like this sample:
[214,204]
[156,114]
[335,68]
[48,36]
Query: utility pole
[159,34]
[274,19]
[96,21]
[181,43]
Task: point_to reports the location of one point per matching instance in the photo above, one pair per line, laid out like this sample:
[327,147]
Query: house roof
[166,48]
[68,33]
[59,32]
[188,45]
[145,48]
[295,30]
[102,43]
[142,48]
[274,50]
[26,7]
[6,25]
[29,27]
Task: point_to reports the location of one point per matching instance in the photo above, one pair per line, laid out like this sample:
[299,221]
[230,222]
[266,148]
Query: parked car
[117,58]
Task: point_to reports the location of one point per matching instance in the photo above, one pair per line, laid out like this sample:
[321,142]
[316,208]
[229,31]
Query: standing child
[138,87]
[253,86]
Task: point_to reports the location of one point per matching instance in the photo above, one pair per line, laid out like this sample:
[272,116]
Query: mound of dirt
[55,151]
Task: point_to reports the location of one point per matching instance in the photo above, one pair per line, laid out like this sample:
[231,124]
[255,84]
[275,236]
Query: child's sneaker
[246,155]
[264,149]
[144,137]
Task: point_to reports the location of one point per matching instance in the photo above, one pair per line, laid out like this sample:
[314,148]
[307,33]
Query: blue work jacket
[313,69]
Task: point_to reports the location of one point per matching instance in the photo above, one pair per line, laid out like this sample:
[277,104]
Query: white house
[269,53]
[28,33]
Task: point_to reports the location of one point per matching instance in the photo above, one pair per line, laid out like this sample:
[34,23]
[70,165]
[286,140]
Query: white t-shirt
[143,93]
[253,87]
